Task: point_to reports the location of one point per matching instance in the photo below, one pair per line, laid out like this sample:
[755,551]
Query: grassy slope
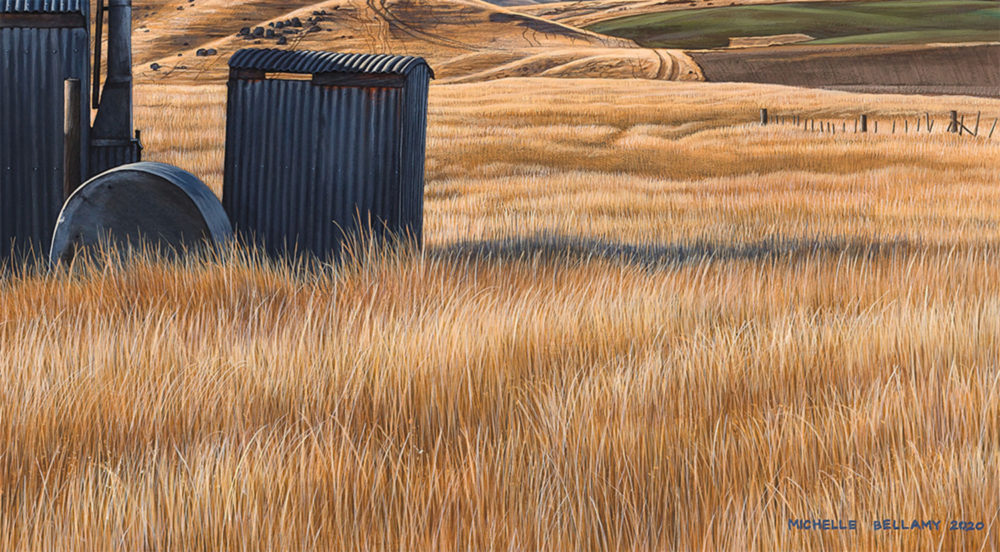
[462,39]
[748,324]
[956,69]
[890,22]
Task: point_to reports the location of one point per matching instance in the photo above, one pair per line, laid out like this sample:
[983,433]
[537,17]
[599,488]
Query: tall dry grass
[640,323]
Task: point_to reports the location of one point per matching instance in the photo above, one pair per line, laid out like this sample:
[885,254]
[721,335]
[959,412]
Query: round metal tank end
[146,203]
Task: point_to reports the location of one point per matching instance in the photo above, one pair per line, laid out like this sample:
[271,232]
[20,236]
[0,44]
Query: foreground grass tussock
[615,346]
[450,401]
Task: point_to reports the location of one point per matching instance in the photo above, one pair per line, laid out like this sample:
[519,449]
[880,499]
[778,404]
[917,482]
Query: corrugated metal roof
[44,6]
[312,62]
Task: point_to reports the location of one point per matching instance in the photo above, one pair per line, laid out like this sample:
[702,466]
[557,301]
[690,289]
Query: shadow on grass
[554,247]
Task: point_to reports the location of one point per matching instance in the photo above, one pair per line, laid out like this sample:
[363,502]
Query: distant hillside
[861,22]
[582,13]
[922,69]
[462,39]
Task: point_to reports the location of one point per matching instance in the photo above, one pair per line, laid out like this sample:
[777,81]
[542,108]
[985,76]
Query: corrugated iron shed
[44,6]
[42,43]
[311,162]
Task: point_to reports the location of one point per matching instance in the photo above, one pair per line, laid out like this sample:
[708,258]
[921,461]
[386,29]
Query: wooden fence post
[994,128]
[864,123]
[763,116]
[953,125]
[976,132]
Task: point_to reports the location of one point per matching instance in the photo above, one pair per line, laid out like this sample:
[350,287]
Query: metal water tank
[325,146]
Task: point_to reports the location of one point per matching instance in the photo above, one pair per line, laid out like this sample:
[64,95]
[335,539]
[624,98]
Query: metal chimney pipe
[114,116]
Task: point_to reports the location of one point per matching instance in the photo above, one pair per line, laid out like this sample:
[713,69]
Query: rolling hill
[582,14]
[463,39]
[861,22]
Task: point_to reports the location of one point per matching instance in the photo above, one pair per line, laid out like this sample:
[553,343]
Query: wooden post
[953,125]
[71,136]
[994,128]
[843,127]
[763,116]
[864,123]
[894,126]
[961,125]
[918,125]
[976,132]
[876,127]
[906,126]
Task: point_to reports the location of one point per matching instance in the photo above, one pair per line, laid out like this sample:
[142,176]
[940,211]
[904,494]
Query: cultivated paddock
[640,323]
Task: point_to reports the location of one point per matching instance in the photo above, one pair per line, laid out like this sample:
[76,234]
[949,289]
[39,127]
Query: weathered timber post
[894,126]
[953,125]
[763,116]
[961,125]
[876,127]
[976,132]
[72,173]
[994,128]
[864,123]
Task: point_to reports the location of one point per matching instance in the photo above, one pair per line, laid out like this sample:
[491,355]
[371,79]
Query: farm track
[380,9]
[662,72]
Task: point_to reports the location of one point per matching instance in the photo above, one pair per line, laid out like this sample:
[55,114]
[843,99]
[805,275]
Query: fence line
[923,124]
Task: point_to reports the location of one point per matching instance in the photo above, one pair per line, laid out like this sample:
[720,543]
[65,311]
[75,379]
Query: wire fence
[954,123]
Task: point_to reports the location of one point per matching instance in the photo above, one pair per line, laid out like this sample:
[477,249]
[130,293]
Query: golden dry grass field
[641,322]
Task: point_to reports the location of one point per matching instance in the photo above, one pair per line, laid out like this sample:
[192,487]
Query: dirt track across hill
[972,70]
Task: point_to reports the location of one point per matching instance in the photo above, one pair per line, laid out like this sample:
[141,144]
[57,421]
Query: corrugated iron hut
[321,146]
[42,43]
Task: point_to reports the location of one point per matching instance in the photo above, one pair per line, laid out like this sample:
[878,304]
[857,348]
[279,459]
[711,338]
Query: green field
[883,22]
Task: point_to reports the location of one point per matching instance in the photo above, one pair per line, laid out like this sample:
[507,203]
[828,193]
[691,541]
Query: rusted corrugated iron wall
[42,43]
[310,162]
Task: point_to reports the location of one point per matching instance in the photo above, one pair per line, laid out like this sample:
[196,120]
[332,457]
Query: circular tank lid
[140,205]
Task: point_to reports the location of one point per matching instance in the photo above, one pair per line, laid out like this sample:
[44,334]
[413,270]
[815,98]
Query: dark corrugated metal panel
[312,62]
[44,6]
[308,165]
[33,65]
[108,156]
